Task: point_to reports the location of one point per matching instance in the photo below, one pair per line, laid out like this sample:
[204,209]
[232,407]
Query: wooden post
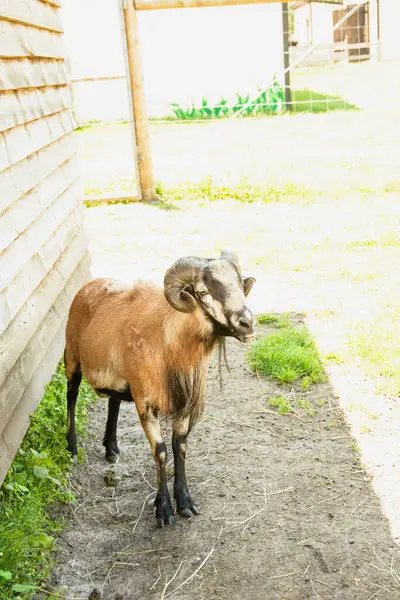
[374,29]
[286,54]
[146,187]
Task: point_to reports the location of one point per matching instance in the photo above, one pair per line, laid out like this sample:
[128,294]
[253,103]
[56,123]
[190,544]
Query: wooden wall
[43,249]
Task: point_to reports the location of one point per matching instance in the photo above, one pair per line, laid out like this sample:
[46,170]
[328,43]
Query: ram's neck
[188,340]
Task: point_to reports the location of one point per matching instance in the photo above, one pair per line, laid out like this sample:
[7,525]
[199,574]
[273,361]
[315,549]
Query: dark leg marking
[72,395]
[151,426]
[184,502]
[110,436]
[164,510]
[121,395]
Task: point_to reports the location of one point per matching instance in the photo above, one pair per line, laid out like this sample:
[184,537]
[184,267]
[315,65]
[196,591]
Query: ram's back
[109,328]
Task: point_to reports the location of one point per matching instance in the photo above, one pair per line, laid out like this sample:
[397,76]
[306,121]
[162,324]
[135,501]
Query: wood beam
[167,4]
[141,123]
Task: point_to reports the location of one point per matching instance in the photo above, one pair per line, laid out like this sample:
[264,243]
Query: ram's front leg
[184,503]
[151,425]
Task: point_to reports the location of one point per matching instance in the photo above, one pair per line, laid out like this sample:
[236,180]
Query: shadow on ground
[287,510]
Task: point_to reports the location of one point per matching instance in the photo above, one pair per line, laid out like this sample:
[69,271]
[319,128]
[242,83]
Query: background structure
[43,249]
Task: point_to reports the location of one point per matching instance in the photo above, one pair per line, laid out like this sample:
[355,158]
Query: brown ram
[151,346]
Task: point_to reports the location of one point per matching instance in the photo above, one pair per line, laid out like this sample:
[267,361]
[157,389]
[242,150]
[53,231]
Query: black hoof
[185,505]
[112,454]
[160,521]
[73,451]
[186,512]
[164,511]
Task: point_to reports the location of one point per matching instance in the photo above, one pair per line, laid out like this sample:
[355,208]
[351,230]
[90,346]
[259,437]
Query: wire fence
[305,59]
[319,48]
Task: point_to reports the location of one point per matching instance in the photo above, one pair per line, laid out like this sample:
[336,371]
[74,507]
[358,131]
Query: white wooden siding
[43,248]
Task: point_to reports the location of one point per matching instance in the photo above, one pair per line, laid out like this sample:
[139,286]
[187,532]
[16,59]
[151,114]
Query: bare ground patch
[287,510]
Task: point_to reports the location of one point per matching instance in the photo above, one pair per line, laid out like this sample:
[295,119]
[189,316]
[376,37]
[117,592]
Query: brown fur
[133,336]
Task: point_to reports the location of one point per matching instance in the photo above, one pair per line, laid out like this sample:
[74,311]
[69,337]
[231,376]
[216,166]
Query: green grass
[305,404]
[377,345]
[306,381]
[206,189]
[37,478]
[284,406]
[389,240]
[334,358]
[286,356]
[277,321]
[305,101]
[281,403]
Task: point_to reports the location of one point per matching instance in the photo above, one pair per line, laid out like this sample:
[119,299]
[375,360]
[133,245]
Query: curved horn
[232,258]
[183,273]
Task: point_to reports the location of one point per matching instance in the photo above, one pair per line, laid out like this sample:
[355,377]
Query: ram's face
[221,293]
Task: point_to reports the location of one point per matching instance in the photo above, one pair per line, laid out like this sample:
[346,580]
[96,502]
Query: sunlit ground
[322,238]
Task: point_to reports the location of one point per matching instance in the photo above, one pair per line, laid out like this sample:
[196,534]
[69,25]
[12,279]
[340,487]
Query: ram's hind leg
[74,377]
[110,437]
[184,502]
[151,425]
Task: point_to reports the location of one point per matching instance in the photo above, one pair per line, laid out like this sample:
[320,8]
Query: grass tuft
[286,356]
[281,403]
[277,321]
[306,406]
[37,478]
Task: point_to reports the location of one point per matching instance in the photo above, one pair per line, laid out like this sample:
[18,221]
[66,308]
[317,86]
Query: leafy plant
[221,109]
[270,101]
[205,110]
[37,478]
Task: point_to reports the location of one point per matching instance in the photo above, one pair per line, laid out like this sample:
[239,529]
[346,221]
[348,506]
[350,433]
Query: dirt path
[287,512]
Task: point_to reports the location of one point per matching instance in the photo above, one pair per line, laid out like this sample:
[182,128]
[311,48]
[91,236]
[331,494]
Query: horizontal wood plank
[16,219]
[14,296]
[17,425]
[168,4]
[16,337]
[46,301]
[19,421]
[25,73]
[22,141]
[13,258]
[19,107]
[23,176]
[31,12]
[19,41]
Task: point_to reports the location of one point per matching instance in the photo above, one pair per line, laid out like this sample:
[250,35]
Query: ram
[152,346]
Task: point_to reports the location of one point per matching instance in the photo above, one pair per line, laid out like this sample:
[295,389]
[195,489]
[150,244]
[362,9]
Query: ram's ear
[248,283]
[187,299]
[182,298]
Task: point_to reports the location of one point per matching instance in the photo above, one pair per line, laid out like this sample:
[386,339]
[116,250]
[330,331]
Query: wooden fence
[43,249]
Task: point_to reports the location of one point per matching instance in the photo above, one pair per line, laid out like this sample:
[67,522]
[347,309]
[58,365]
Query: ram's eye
[203,292]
